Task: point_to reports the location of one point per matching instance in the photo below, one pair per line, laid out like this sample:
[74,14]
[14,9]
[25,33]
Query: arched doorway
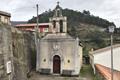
[56,64]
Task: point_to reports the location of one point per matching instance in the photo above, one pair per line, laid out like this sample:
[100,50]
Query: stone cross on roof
[58,3]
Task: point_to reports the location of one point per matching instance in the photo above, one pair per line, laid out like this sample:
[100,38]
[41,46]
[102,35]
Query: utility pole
[112,71]
[36,29]
[37,20]
[37,36]
[111,30]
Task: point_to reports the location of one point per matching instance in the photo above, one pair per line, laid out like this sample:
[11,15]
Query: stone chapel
[59,53]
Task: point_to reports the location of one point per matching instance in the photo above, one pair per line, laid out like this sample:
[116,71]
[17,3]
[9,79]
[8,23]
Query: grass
[96,78]
[87,72]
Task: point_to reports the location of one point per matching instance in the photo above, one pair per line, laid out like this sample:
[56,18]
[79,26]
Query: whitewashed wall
[68,50]
[104,58]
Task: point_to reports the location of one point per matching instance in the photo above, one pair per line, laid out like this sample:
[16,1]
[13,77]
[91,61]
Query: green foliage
[43,18]
[72,31]
[74,18]
[97,77]
[86,71]
[97,38]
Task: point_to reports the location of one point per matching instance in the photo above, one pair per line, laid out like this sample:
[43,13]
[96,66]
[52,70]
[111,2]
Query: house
[58,52]
[102,58]
[43,27]
[5,17]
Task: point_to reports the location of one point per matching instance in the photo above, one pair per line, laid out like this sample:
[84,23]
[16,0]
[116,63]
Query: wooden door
[56,64]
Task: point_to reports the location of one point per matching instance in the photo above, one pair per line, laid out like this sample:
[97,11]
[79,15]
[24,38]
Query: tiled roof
[31,24]
[106,72]
[5,13]
[105,49]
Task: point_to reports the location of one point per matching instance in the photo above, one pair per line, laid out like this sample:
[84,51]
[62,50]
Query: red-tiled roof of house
[31,24]
[106,72]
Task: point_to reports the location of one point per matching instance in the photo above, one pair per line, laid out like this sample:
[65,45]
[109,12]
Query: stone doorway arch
[56,64]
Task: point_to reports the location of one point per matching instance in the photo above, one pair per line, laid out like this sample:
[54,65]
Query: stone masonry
[16,48]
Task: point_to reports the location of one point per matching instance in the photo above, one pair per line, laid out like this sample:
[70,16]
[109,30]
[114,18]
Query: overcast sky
[23,10]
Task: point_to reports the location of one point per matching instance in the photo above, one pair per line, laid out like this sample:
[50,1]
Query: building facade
[5,17]
[103,57]
[43,27]
[58,52]
[16,49]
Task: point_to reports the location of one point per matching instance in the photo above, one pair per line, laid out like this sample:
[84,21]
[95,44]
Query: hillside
[89,28]
[74,17]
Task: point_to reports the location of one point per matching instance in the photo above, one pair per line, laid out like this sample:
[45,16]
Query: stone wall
[5,51]
[23,48]
[17,47]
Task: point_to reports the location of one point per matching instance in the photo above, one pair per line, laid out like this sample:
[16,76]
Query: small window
[68,61]
[45,29]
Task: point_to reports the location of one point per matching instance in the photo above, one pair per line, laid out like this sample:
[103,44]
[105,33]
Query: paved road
[85,75]
[37,76]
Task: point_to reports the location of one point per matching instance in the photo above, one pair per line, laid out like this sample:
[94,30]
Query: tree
[86,12]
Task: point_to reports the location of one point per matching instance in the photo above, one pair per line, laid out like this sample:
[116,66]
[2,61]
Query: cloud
[25,9]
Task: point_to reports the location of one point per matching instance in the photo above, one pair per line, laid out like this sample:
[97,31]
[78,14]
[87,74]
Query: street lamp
[111,30]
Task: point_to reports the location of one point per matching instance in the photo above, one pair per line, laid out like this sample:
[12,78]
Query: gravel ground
[37,76]
[84,75]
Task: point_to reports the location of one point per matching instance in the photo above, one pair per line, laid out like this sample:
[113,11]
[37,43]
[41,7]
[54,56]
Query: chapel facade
[59,53]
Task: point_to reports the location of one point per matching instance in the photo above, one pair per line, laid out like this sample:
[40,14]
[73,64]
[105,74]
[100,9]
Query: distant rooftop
[31,24]
[105,49]
[5,13]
